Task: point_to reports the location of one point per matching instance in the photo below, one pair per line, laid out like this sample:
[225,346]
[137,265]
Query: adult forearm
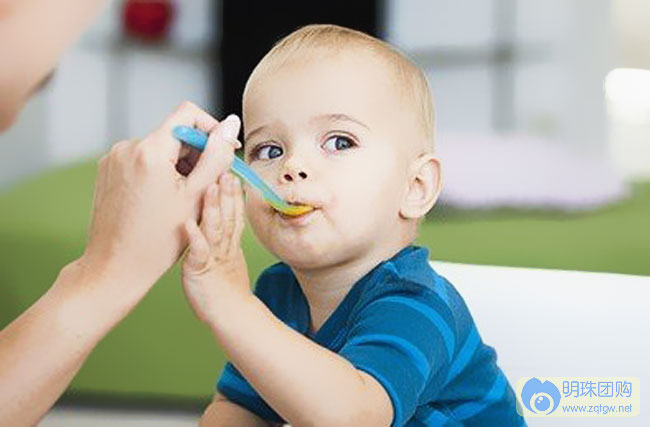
[42,350]
[305,383]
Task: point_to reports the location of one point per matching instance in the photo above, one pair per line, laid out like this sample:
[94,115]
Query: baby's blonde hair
[335,37]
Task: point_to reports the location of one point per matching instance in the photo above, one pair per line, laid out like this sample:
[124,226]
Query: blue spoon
[198,139]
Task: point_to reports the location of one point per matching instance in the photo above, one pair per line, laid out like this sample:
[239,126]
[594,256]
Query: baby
[353,327]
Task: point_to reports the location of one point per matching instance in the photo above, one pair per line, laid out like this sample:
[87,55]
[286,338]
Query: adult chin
[8,115]
[14,97]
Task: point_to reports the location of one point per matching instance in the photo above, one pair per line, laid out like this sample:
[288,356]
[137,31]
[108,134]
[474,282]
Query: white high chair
[550,323]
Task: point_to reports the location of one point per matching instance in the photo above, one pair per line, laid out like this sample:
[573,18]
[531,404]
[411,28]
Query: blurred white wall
[435,31]
[632,22]
[543,62]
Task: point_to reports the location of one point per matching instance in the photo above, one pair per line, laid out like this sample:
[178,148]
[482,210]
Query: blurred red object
[148,19]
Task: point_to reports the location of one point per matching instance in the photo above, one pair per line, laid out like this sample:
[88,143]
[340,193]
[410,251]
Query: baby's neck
[325,288]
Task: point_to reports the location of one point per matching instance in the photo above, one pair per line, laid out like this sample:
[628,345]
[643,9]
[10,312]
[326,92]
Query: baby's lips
[293,208]
[299,209]
[302,202]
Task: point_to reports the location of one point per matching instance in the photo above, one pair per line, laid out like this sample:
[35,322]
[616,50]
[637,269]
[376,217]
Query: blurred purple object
[493,171]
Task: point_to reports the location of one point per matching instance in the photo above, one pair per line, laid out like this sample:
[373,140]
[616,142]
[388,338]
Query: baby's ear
[424,185]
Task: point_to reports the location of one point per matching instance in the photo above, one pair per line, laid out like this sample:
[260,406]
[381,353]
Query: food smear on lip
[294,210]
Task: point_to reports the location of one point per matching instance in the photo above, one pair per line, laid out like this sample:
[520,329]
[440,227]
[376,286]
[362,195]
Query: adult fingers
[187,114]
[217,155]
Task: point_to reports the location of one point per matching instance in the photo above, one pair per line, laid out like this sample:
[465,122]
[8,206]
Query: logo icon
[540,397]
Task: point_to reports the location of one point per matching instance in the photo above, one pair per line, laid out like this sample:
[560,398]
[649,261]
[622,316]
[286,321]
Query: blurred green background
[161,353]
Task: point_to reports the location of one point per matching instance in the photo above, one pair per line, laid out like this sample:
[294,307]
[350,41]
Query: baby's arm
[222,412]
[302,381]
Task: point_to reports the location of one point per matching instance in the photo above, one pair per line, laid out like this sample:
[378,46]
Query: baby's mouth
[290,217]
[307,208]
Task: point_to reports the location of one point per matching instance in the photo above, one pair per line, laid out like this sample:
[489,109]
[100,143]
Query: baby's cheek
[344,211]
[355,201]
[365,212]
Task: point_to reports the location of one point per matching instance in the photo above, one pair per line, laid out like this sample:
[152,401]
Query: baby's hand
[214,269]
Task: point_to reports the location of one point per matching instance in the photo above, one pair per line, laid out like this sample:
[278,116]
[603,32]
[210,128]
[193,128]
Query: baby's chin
[305,255]
[297,255]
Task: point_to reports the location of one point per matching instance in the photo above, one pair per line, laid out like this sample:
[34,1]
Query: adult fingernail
[230,127]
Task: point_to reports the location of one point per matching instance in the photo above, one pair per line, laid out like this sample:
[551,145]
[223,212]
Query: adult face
[33,35]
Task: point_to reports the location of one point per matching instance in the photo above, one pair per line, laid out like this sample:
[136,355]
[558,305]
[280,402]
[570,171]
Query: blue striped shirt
[406,326]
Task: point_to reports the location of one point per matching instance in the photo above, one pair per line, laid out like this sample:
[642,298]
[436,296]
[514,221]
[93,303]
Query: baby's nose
[294,176]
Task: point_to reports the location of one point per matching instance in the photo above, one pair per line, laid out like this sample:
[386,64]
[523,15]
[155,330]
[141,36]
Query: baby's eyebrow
[339,117]
[333,117]
[253,132]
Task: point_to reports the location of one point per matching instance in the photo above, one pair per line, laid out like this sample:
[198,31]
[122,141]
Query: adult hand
[136,233]
[144,194]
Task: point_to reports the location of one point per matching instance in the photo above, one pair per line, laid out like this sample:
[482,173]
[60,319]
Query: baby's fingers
[198,256]
[235,241]
[227,210]
[211,216]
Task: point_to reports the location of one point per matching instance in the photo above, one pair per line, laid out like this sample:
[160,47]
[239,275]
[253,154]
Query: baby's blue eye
[267,152]
[338,143]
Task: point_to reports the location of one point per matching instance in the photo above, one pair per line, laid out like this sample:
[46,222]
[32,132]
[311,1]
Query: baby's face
[329,132]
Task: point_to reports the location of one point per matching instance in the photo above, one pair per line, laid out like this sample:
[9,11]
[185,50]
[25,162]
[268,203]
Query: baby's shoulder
[399,293]
[395,291]
[429,289]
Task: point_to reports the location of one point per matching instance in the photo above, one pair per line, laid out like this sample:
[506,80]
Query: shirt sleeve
[402,339]
[235,387]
